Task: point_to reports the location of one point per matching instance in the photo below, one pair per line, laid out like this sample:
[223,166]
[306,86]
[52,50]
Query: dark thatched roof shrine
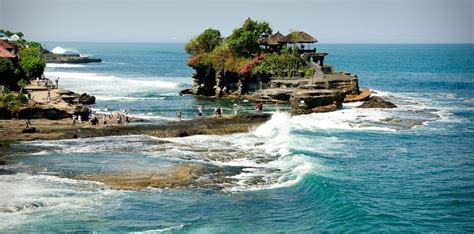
[297,37]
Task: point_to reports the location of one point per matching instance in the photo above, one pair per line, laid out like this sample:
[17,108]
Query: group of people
[46,82]
[218,110]
[95,119]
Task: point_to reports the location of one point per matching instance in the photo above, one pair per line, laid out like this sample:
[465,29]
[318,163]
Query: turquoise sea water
[404,169]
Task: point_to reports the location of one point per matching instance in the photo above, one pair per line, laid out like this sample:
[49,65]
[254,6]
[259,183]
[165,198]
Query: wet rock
[377,102]
[182,134]
[185,92]
[332,107]
[310,101]
[29,130]
[86,99]
[42,111]
[68,58]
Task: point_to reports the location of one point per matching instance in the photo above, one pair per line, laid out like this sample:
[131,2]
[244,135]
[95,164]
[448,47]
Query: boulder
[377,102]
[185,91]
[332,107]
[29,130]
[310,101]
[86,99]
[38,112]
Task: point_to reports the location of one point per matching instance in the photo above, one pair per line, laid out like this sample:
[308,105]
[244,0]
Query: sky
[330,21]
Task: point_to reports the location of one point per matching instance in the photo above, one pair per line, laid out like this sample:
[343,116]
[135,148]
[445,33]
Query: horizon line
[340,43]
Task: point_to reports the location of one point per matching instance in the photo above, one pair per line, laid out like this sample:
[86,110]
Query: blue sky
[331,21]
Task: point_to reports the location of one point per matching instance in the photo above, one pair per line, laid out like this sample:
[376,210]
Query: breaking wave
[61,50]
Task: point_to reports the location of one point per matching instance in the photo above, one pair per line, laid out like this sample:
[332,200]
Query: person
[178,115]
[28,124]
[37,81]
[49,95]
[215,111]
[257,107]
[260,109]
[119,118]
[106,109]
[200,111]
[79,118]
[57,82]
[236,108]
[104,119]
[221,111]
[127,120]
[73,120]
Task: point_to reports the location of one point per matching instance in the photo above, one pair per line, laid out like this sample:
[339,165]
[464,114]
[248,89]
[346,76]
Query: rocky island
[68,58]
[255,64]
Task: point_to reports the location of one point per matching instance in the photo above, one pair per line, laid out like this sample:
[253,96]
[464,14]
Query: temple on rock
[257,65]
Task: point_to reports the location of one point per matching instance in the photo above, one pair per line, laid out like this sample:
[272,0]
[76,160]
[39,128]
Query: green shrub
[204,43]
[309,72]
[244,41]
[8,72]
[32,62]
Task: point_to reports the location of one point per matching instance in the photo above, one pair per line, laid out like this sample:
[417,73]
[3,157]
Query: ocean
[408,169]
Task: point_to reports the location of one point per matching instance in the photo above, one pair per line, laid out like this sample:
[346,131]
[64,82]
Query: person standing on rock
[37,81]
[73,120]
[236,108]
[57,83]
[104,119]
[79,118]
[200,111]
[49,96]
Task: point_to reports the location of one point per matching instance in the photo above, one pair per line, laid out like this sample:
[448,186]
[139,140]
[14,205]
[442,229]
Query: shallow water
[404,169]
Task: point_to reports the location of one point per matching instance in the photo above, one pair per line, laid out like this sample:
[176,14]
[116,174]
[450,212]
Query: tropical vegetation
[241,52]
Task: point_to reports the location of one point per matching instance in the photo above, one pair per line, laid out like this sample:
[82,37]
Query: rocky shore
[63,129]
[60,104]
[68,58]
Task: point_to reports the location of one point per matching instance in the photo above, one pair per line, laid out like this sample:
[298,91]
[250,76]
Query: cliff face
[222,84]
[324,91]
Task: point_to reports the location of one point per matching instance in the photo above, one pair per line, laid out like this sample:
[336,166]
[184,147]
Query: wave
[279,153]
[63,65]
[109,86]
[24,195]
[126,98]
[61,50]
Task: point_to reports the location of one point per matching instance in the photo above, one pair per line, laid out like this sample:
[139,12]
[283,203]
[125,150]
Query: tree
[205,42]
[244,41]
[8,72]
[32,62]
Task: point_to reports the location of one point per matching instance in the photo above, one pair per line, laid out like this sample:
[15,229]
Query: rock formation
[68,58]
[377,102]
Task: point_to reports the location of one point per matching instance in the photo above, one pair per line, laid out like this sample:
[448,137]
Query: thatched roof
[273,39]
[298,37]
